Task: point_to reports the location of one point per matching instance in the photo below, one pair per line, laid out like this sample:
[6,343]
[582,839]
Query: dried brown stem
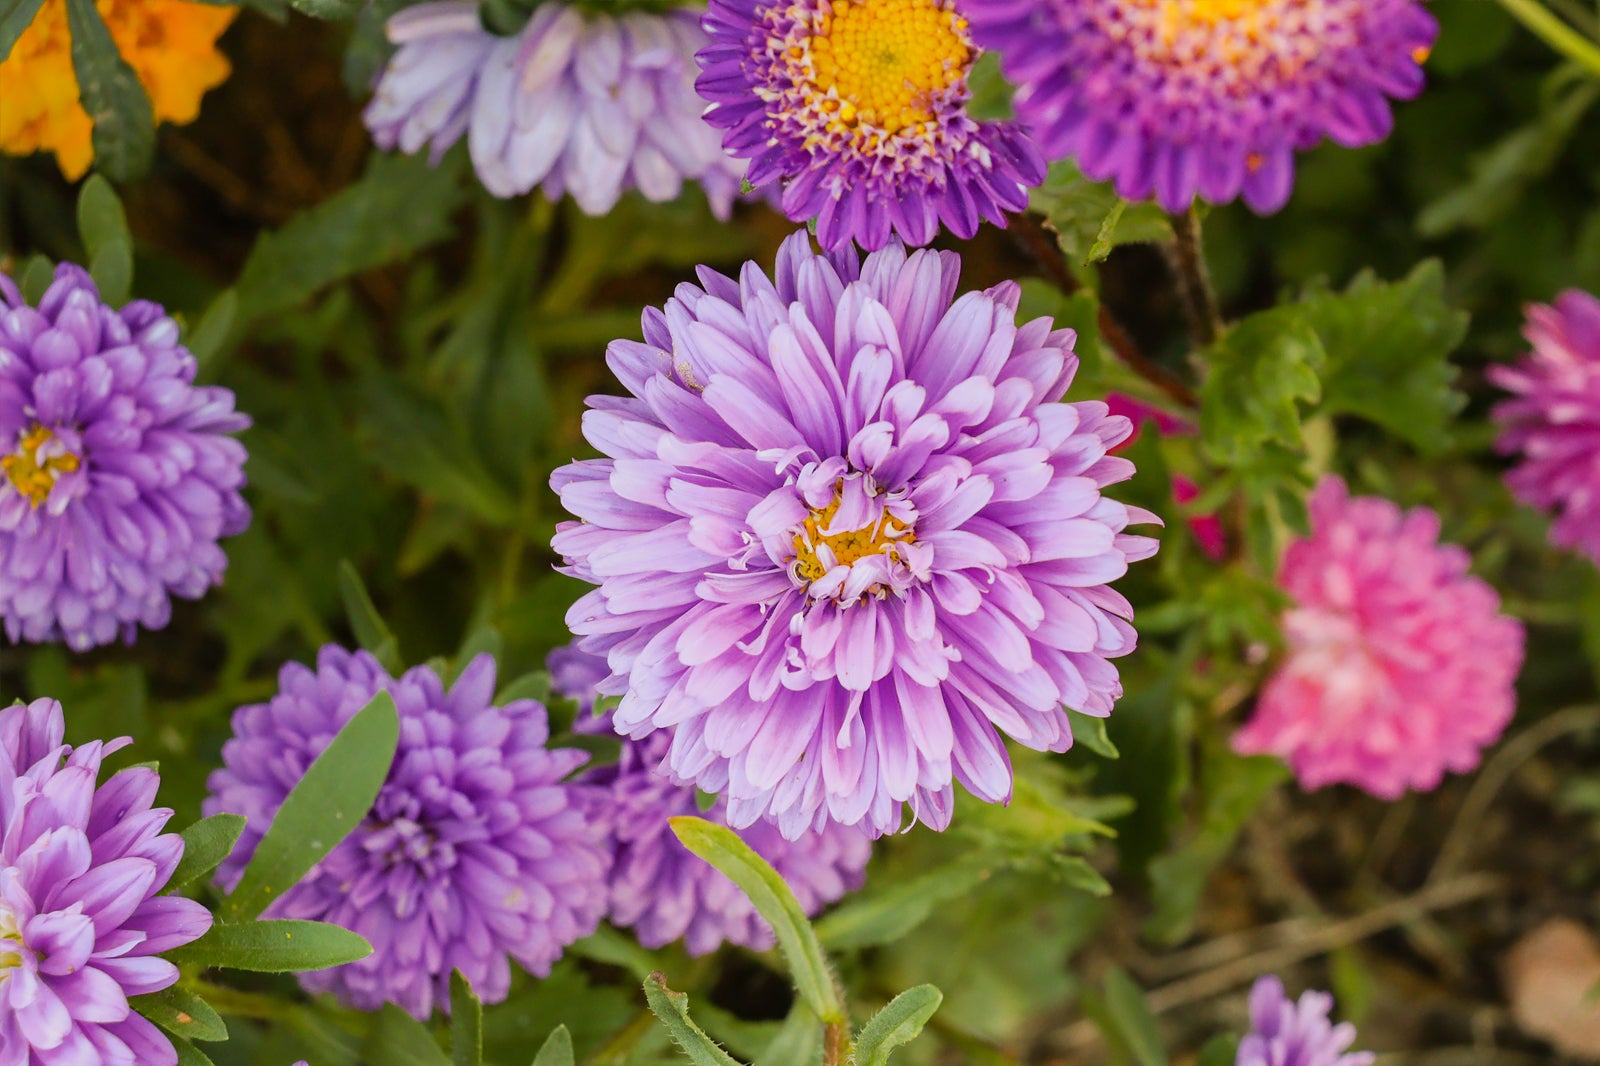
[1194,280]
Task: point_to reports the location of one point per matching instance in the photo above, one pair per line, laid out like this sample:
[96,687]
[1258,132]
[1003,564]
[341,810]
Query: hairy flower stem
[836,1048]
[1194,280]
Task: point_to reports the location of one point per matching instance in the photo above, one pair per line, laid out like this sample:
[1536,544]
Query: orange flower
[170,44]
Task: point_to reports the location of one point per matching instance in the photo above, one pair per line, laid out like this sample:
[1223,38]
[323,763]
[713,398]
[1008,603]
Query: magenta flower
[82,921]
[859,111]
[580,101]
[660,889]
[847,538]
[475,853]
[1552,421]
[1399,667]
[117,474]
[1207,528]
[1174,98]
[1287,1033]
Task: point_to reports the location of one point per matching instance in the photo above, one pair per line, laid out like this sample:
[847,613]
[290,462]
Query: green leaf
[397,1039]
[557,1049]
[808,966]
[327,9]
[673,1010]
[466,1023]
[1091,733]
[704,801]
[182,1013]
[1220,1050]
[209,337]
[1124,1016]
[372,633]
[1261,371]
[279,945]
[897,1024]
[124,125]
[35,279]
[798,1043]
[1388,346]
[15,17]
[112,270]
[101,219]
[205,844]
[399,205]
[189,1055]
[335,794]
[1090,219]
[883,916]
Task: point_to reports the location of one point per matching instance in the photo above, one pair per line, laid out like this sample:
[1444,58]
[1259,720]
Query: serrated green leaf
[1090,219]
[397,1039]
[124,125]
[1259,374]
[15,18]
[205,844]
[182,1013]
[557,1049]
[882,916]
[466,1023]
[897,1024]
[673,1010]
[278,945]
[372,632]
[808,966]
[335,794]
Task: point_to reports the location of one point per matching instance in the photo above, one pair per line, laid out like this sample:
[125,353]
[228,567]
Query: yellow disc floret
[171,45]
[847,547]
[884,59]
[31,471]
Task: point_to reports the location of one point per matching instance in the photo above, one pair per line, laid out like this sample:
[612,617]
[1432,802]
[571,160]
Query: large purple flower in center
[847,537]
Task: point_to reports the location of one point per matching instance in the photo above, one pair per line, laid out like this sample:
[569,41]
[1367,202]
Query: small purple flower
[847,537]
[117,477]
[1174,98]
[658,887]
[1552,420]
[580,101]
[82,924]
[859,110]
[1286,1033]
[475,852]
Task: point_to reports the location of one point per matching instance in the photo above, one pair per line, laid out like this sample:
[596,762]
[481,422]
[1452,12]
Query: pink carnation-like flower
[1552,420]
[1207,528]
[1400,666]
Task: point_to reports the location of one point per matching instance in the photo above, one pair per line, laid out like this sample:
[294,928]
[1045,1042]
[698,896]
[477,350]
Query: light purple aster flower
[847,538]
[1286,1033]
[579,102]
[658,887]
[1552,421]
[1174,98]
[475,852]
[117,477]
[860,110]
[82,926]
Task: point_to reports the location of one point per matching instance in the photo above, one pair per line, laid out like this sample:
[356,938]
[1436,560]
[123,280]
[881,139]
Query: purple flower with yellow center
[847,538]
[82,921]
[660,889]
[1284,1032]
[1178,98]
[475,853]
[117,474]
[859,109]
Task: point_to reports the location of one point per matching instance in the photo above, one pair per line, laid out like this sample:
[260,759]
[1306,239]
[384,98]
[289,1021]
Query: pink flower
[1552,420]
[1400,666]
[1207,529]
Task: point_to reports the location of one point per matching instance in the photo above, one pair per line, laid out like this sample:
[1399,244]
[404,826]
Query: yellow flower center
[847,547]
[31,471]
[10,943]
[885,58]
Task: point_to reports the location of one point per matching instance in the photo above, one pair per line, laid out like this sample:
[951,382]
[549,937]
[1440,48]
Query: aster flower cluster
[859,110]
[1551,423]
[476,852]
[846,537]
[82,923]
[117,474]
[1400,665]
[1296,1033]
[1179,98]
[579,102]
[657,887]
[170,44]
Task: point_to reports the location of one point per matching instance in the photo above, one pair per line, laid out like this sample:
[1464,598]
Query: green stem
[1543,23]
[237,1003]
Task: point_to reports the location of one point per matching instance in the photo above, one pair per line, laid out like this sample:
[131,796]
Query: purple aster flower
[847,538]
[1552,421]
[579,102]
[1286,1033]
[859,109]
[117,477]
[658,887]
[82,926]
[474,853]
[1174,98]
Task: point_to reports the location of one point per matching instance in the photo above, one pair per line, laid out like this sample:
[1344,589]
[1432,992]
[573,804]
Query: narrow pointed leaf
[673,1010]
[182,1013]
[372,632]
[282,945]
[397,1039]
[15,17]
[124,125]
[557,1049]
[897,1024]
[466,1023]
